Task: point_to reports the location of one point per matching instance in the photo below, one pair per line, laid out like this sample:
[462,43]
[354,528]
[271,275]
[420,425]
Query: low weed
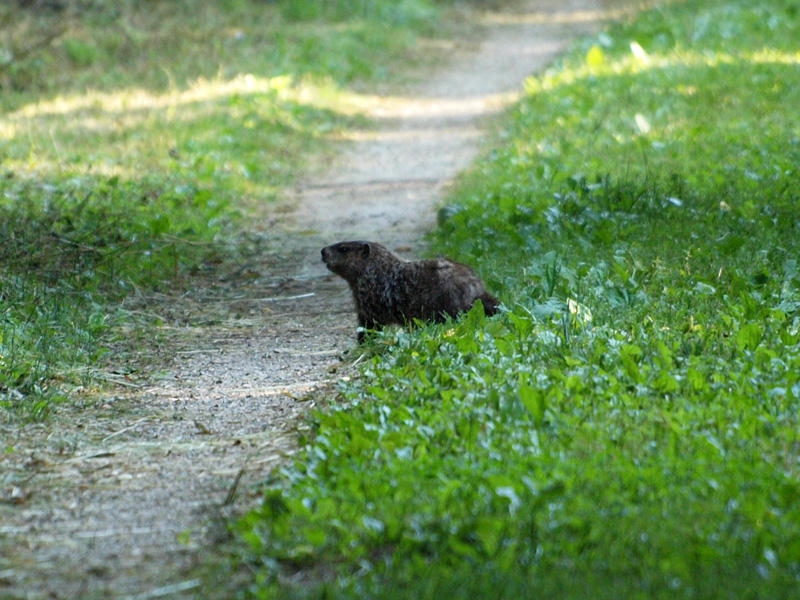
[628,426]
[72,250]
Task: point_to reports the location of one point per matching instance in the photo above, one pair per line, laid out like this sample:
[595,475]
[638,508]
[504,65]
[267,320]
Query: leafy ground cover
[134,138]
[628,427]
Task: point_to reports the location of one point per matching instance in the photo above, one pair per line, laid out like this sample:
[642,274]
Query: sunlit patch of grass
[240,136]
[598,65]
[107,45]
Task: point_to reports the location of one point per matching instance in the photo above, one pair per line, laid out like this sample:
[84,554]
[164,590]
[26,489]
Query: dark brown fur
[388,289]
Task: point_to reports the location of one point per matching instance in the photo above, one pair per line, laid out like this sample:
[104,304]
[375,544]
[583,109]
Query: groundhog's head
[347,259]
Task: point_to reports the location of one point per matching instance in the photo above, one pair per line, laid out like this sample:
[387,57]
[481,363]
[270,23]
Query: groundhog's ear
[365,250]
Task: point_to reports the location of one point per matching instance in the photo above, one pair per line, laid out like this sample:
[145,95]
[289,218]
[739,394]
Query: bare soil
[123,498]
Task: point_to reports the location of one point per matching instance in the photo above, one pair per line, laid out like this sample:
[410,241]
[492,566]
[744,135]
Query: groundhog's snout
[328,256]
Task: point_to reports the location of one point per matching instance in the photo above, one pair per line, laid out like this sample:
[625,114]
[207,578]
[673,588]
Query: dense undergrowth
[628,427]
[133,138]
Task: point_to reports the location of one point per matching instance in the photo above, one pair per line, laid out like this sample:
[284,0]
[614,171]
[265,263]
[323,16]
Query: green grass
[134,138]
[628,427]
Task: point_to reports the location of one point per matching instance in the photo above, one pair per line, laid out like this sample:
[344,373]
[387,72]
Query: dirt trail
[123,500]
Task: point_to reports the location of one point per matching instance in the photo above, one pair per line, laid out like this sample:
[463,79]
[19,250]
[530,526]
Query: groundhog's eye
[344,249]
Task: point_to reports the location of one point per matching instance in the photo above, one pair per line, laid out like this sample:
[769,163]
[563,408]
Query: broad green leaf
[749,336]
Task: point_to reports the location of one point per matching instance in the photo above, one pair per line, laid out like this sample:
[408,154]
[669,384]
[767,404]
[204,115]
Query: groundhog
[388,289]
